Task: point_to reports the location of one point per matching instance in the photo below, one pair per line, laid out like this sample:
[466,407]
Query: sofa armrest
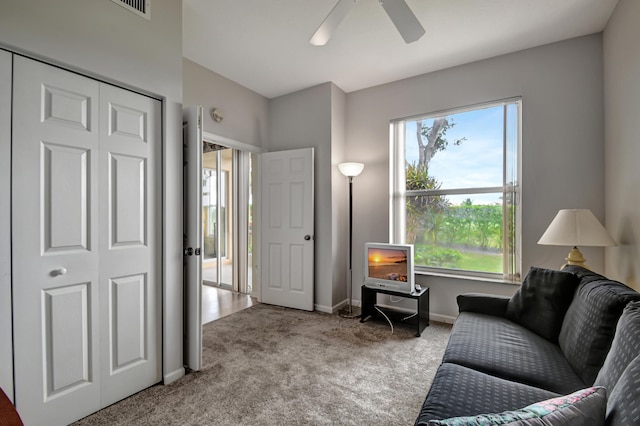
[483,304]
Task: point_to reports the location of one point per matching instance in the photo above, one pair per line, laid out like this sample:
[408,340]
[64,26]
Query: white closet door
[130,230]
[55,244]
[86,247]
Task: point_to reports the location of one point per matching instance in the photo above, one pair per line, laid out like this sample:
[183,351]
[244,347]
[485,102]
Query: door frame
[6,325]
[254,151]
[108,359]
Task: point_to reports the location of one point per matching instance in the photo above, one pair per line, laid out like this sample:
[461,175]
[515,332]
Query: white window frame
[398,193]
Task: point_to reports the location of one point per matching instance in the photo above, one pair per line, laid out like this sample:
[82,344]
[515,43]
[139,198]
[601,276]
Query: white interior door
[192,121]
[287,248]
[86,218]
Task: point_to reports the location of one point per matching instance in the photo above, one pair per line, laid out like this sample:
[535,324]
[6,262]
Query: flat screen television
[389,266]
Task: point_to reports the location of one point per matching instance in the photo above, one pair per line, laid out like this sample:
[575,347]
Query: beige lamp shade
[350,169]
[576,227]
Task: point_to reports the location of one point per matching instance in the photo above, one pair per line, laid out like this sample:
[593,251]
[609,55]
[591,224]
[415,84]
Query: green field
[458,258]
[485,262]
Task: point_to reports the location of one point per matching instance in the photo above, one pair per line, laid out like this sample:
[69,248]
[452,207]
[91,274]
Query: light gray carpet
[274,366]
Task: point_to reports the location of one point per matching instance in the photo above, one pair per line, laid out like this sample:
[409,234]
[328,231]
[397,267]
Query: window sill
[467,277]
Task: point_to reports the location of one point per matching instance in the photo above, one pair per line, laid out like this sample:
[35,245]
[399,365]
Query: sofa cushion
[502,348]
[625,347]
[461,391]
[586,406]
[590,322]
[622,407]
[542,301]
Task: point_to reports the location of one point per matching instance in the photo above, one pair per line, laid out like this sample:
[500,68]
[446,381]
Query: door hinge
[190,251]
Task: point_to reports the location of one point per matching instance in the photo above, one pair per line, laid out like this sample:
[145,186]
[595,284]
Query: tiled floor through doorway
[218,303]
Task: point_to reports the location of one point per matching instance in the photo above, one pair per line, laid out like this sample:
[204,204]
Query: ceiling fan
[401,15]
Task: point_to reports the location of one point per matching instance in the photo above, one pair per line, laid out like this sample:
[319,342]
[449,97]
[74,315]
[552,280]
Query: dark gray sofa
[493,364]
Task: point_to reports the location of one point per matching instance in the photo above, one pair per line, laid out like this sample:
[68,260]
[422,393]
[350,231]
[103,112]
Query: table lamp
[576,227]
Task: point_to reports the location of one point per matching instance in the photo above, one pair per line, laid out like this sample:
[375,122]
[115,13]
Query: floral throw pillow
[585,407]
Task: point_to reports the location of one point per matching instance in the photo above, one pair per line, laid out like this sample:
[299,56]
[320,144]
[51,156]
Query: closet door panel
[130,242]
[55,243]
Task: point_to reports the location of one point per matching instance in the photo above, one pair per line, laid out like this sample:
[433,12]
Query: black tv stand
[419,321]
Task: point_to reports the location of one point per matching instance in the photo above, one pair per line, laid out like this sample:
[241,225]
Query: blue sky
[476,162]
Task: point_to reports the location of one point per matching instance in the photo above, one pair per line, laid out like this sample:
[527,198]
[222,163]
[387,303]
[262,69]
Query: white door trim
[192,121]
[230,143]
[6,337]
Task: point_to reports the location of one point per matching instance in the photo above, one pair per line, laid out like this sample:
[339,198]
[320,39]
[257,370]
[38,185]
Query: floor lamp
[350,170]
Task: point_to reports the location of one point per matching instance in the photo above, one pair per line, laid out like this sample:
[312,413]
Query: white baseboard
[447,319]
[173,376]
[336,308]
[322,308]
[432,317]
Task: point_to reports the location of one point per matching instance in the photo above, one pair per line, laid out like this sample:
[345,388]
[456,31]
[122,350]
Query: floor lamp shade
[576,227]
[350,169]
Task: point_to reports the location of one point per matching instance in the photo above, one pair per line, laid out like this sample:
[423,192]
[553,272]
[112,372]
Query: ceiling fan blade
[404,19]
[331,22]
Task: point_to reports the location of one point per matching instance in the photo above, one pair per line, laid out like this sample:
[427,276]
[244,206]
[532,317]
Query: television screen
[388,264]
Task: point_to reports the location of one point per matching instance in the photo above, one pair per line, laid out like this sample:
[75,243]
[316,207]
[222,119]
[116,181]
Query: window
[454,190]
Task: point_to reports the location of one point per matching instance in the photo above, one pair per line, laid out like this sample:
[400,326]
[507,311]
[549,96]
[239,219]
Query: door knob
[307,237]
[59,271]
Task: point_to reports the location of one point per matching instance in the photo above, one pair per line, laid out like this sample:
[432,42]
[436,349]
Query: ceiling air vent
[139,7]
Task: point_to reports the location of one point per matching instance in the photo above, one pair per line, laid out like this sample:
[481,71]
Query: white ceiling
[264,44]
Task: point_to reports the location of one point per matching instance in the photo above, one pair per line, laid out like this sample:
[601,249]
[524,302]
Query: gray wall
[622,141]
[562,152]
[103,40]
[313,117]
[339,199]
[245,112]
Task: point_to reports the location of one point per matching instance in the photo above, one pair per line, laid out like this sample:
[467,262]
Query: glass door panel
[227,201]
[216,218]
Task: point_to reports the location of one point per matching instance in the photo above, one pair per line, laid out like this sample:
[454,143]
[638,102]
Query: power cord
[410,316]
[400,299]
[377,308]
[384,315]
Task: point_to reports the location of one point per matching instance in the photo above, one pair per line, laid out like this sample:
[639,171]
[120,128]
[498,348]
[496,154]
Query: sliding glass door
[217,216]
[226,218]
